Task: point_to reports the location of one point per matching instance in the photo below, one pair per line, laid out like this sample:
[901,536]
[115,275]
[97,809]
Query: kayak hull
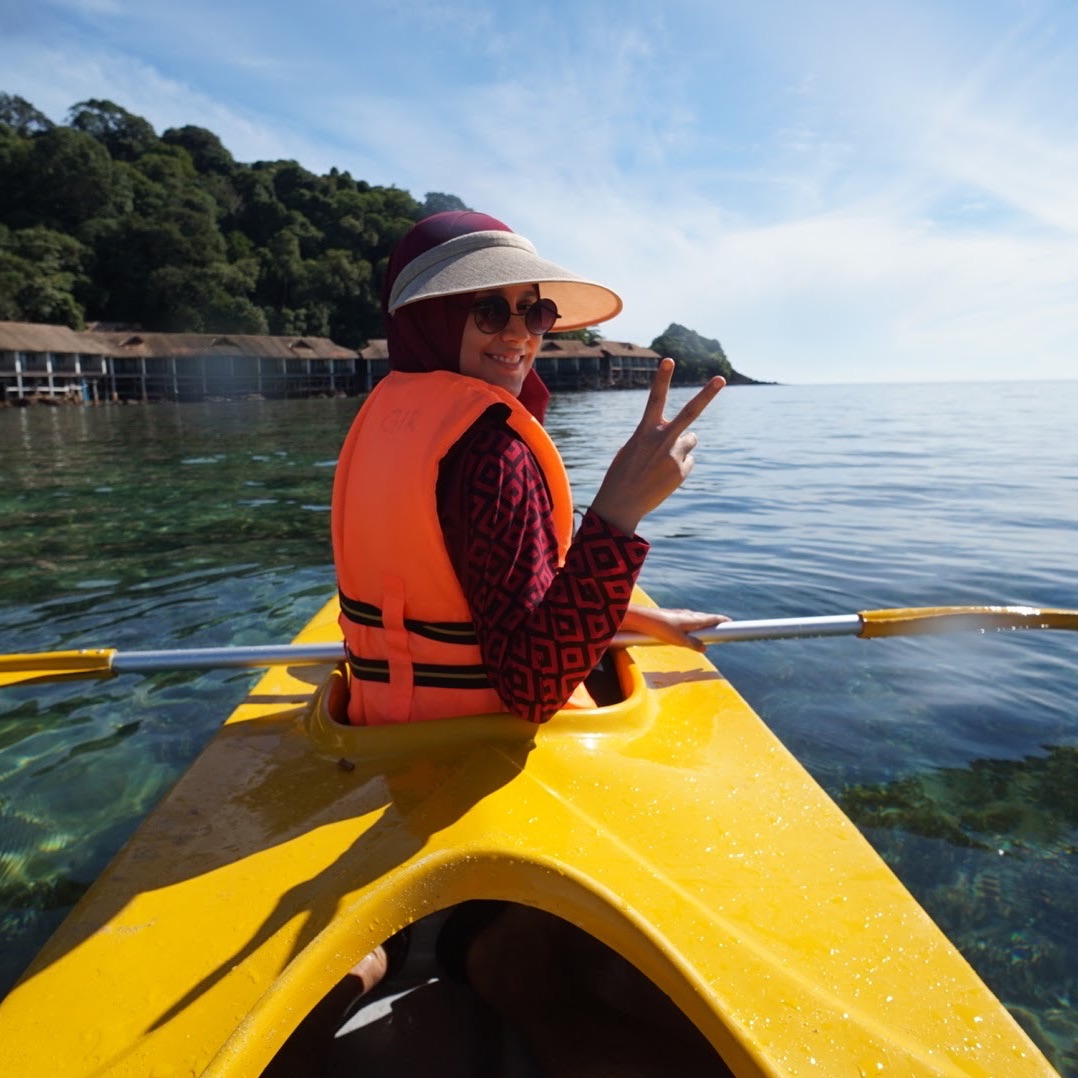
[672,826]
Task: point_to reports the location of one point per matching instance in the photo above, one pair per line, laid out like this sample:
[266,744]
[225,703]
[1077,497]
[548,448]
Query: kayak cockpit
[617,685]
[423,1020]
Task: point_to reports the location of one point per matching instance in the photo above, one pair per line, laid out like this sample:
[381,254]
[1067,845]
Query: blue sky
[838,192]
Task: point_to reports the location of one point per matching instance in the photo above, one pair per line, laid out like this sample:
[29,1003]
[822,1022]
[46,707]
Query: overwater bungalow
[196,366]
[55,363]
[49,362]
[627,366]
[570,364]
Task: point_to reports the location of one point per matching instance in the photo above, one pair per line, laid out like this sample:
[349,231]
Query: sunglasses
[492,314]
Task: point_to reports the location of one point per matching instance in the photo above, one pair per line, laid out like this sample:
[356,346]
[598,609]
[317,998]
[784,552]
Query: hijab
[426,335]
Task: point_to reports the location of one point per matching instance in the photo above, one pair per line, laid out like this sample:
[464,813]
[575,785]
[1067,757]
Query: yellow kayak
[671,825]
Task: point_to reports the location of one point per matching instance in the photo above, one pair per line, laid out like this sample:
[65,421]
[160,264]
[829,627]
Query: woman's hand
[655,460]
[670,626]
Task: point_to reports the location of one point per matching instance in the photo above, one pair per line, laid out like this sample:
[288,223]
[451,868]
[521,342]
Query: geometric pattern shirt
[541,629]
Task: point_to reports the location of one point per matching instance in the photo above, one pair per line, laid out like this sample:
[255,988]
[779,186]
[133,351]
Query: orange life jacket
[413,652]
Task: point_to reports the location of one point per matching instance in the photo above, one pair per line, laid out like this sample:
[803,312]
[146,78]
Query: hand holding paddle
[656,459]
[671,626]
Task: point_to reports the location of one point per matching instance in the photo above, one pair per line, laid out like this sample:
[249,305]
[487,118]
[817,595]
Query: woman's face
[503,358]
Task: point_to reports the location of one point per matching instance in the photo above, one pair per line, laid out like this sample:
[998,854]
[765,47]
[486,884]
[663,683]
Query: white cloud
[53,79]
[833,197]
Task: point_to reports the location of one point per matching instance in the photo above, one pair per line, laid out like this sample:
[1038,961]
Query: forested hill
[102,219]
[698,358]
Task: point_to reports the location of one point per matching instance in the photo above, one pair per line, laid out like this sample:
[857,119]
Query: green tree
[71,180]
[126,136]
[260,214]
[40,273]
[22,117]
[349,228]
[196,300]
[207,152]
[343,283]
[14,177]
[172,224]
[436,202]
[282,279]
[293,184]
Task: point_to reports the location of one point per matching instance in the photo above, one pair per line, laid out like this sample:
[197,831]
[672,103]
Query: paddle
[108,662]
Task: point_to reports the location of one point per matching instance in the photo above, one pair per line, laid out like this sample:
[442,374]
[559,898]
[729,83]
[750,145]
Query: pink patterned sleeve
[541,629]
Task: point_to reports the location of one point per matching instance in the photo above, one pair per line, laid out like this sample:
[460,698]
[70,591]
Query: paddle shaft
[150,662]
[146,662]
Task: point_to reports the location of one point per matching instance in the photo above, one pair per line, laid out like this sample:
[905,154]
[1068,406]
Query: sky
[837,192]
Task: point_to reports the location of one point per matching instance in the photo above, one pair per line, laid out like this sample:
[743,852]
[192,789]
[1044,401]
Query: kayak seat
[604,684]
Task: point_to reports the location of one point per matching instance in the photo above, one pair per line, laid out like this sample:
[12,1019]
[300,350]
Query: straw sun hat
[490,259]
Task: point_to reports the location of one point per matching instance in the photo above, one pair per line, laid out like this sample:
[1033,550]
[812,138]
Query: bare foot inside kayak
[370,970]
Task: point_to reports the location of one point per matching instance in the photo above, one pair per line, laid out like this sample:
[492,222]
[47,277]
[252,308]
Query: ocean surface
[207,524]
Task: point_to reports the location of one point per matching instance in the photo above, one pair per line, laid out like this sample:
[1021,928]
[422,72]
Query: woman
[462,588]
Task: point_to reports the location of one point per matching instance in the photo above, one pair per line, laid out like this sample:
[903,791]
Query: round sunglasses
[492,314]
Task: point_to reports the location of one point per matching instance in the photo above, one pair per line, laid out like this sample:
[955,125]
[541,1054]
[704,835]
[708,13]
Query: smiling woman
[483,584]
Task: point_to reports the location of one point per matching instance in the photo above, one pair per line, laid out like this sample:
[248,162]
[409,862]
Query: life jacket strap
[426,675]
[447,632]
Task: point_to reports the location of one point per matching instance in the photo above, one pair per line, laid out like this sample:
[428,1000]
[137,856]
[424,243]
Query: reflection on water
[207,524]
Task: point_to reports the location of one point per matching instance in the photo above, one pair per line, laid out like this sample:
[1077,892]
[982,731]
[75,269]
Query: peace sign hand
[656,459]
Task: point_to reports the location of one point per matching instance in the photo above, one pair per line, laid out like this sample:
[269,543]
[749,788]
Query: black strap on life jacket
[428,675]
[448,632]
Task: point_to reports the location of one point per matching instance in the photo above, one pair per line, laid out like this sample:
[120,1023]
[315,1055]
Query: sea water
[207,524]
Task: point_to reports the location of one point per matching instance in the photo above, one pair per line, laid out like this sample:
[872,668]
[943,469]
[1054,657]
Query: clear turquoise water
[198,525]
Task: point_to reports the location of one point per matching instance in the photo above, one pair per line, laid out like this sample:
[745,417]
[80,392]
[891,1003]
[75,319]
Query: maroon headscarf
[426,335]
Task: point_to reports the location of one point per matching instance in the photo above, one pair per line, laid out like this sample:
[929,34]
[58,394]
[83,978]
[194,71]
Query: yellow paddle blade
[953,619]
[29,668]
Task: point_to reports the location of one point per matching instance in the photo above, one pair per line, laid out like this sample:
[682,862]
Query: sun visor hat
[480,260]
